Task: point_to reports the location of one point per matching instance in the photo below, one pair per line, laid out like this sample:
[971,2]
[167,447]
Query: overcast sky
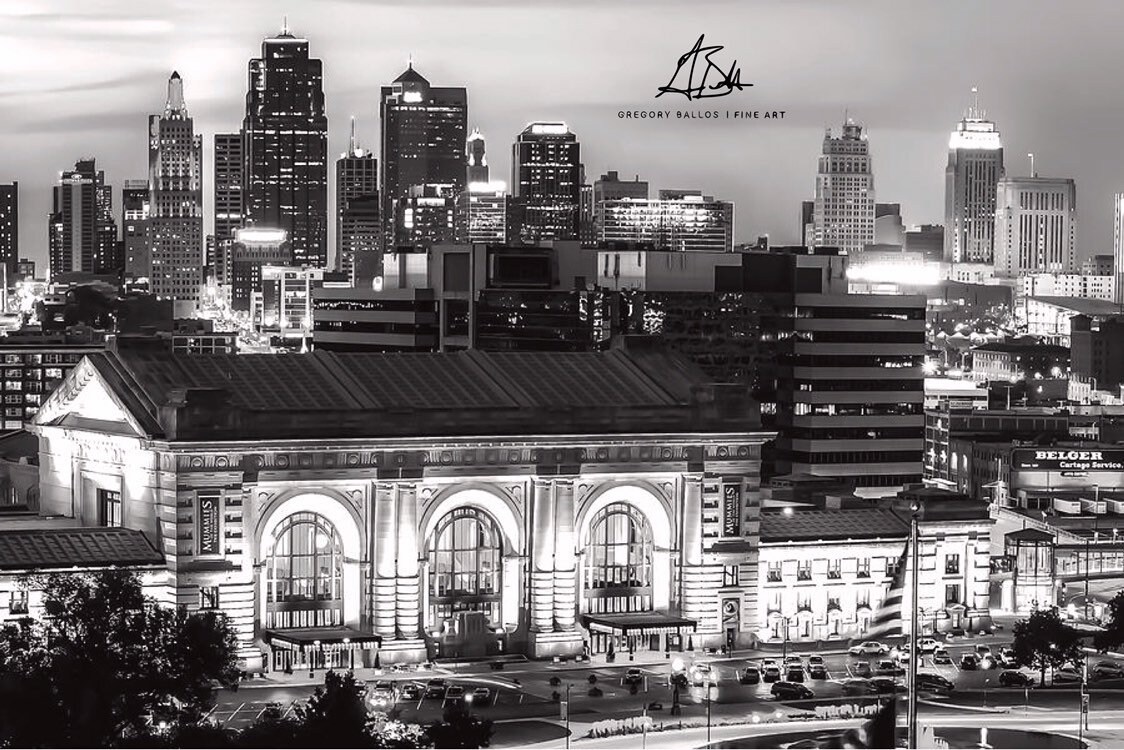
[80,79]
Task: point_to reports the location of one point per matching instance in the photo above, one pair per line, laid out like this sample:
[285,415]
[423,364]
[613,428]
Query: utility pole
[914,558]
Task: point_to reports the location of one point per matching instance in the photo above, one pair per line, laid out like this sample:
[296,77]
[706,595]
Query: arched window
[304,578]
[618,561]
[465,566]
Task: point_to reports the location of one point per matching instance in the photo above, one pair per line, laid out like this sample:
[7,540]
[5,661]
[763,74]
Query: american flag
[888,620]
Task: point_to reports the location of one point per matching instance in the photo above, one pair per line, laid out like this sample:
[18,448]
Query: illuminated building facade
[175,223]
[369,320]
[422,136]
[358,229]
[427,501]
[975,166]
[680,220]
[482,213]
[285,136]
[425,216]
[546,182]
[253,248]
[843,205]
[10,228]
[229,195]
[135,209]
[81,231]
[1035,226]
[284,306]
[33,371]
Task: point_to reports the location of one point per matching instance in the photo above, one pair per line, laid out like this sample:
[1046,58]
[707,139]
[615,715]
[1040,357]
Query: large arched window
[465,566]
[618,561]
[304,578]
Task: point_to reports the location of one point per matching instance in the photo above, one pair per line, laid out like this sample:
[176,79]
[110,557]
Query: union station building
[347,509]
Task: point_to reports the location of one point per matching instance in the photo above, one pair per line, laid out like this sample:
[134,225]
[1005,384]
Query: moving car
[934,683]
[772,672]
[941,656]
[817,672]
[983,650]
[890,668]
[411,692]
[435,688]
[882,685]
[862,669]
[1011,678]
[1106,670]
[703,675]
[791,691]
[1006,658]
[1067,674]
[927,645]
[794,674]
[633,676]
[969,662]
[751,676]
[868,648]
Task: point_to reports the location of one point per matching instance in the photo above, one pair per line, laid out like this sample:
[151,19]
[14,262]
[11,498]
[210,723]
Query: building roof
[1091,307]
[40,549]
[409,75]
[817,525]
[327,394]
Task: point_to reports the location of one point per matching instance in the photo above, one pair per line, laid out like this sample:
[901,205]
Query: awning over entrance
[334,639]
[638,623]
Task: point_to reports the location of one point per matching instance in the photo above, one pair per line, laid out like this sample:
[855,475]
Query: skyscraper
[134,227]
[423,130]
[680,220]
[10,227]
[82,235]
[358,233]
[477,160]
[1118,245]
[975,166]
[228,186]
[1035,226]
[175,224]
[843,205]
[546,181]
[286,147]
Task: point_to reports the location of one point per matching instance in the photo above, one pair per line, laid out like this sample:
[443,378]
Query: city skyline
[91,101]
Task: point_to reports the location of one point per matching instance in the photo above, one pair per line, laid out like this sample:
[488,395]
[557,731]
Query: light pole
[568,686]
[914,539]
[708,688]
[784,651]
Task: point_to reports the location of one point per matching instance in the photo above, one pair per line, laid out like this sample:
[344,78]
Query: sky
[82,77]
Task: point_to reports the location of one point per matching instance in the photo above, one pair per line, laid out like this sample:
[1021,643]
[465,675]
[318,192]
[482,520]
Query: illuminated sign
[1067,460]
[208,524]
[732,509]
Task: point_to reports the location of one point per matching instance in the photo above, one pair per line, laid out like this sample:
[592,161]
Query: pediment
[85,401]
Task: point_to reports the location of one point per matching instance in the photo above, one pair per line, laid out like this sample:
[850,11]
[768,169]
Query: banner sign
[732,510]
[1066,459]
[208,524]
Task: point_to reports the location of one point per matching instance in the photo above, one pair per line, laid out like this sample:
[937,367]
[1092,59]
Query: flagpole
[914,655]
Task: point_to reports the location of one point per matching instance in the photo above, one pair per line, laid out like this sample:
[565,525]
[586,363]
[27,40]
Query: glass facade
[618,561]
[465,566]
[304,578]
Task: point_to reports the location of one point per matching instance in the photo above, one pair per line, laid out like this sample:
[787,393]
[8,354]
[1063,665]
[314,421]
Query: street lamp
[787,624]
[708,689]
[568,686]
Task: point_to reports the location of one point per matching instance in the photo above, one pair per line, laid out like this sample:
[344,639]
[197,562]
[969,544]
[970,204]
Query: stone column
[542,556]
[696,596]
[565,573]
[408,589]
[386,568]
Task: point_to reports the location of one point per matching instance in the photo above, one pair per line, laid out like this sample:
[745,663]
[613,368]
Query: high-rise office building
[357,217]
[482,214]
[423,131]
[425,216]
[546,181]
[1035,226]
[610,187]
[843,205]
[680,220]
[10,228]
[286,147]
[228,186]
[476,167]
[82,234]
[975,166]
[175,223]
[135,210]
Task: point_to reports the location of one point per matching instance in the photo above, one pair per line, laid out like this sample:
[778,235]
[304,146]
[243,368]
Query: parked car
[455,692]
[411,691]
[1067,674]
[771,673]
[481,695]
[1106,670]
[927,645]
[868,648]
[857,687]
[633,676]
[934,683]
[862,669]
[1011,678]
[751,676]
[814,660]
[941,656]
[889,668]
[793,661]
[983,650]
[384,685]
[817,672]
[435,688]
[969,662]
[1006,658]
[883,685]
[794,674]
[791,691]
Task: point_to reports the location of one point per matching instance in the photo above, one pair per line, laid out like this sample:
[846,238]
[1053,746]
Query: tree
[1043,640]
[105,661]
[1113,636]
[459,728]
[336,715]
[272,729]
